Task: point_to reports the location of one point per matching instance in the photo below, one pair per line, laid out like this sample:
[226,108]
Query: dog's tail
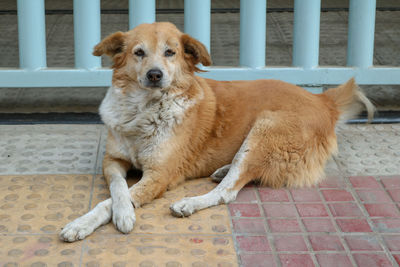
[349,100]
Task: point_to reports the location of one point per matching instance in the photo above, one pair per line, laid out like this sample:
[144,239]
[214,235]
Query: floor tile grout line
[233,236]
[386,191]
[337,228]
[304,230]
[370,223]
[266,227]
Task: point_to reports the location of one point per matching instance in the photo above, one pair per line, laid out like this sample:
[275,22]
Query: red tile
[353,225]
[257,260]
[284,225]
[273,195]
[397,258]
[332,182]
[391,181]
[312,210]
[395,194]
[393,242]
[246,195]
[382,210]
[244,210]
[372,260]
[248,226]
[253,243]
[318,225]
[325,242]
[364,242]
[384,225]
[337,195]
[290,243]
[364,182]
[279,210]
[293,260]
[346,209]
[333,260]
[373,196]
[305,195]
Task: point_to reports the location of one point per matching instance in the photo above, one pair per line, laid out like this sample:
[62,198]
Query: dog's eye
[139,53]
[169,53]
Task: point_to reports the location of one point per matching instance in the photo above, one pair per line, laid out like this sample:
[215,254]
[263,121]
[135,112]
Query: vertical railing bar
[360,46]
[253,15]
[197,20]
[87,32]
[306,33]
[31,34]
[141,11]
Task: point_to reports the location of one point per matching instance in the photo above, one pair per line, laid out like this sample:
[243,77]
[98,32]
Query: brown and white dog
[173,125]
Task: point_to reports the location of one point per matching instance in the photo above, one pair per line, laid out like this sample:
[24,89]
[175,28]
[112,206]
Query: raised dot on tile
[219,228]
[119,264]
[171,227]
[172,251]
[173,264]
[11,264]
[147,216]
[41,252]
[94,251]
[24,228]
[65,264]
[146,227]
[48,228]
[30,206]
[19,239]
[199,264]
[15,252]
[4,217]
[220,241]
[147,264]
[195,227]
[171,239]
[121,251]
[146,240]
[3,229]
[92,264]
[27,217]
[45,239]
[146,250]
[197,252]
[67,252]
[11,197]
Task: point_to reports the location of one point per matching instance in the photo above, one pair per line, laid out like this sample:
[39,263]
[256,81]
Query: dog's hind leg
[238,175]
[219,174]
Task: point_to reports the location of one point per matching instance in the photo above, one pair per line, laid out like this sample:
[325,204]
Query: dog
[173,125]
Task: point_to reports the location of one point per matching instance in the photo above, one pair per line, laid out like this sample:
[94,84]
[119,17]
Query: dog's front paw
[183,208]
[123,216]
[76,230]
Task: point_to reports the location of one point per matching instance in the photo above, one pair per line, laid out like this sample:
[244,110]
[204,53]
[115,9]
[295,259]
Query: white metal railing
[33,71]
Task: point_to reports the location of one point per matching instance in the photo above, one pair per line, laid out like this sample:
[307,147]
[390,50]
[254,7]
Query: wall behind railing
[33,70]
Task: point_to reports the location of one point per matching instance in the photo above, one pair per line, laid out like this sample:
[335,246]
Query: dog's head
[153,55]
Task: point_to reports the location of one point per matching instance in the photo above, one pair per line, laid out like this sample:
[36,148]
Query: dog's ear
[111,45]
[195,52]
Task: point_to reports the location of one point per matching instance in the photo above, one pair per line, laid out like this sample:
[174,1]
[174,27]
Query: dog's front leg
[123,213]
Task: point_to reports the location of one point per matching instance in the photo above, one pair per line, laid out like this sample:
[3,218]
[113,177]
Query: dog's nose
[154,75]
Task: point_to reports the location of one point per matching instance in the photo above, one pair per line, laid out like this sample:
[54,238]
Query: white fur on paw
[183,208]
[76,230]
[123,216]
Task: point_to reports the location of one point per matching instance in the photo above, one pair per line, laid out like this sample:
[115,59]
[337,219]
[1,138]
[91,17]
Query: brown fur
[290,131]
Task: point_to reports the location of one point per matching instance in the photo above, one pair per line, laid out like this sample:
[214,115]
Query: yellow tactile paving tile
[42,203]
[156,218]
[159,250]
[38,251]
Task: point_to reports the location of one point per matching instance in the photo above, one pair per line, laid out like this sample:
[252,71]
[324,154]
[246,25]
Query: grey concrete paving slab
[48,149]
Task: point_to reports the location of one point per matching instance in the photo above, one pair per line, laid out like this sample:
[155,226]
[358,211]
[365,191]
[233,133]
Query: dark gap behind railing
[181,11]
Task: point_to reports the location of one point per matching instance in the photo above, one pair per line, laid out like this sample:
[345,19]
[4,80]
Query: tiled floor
[50,174]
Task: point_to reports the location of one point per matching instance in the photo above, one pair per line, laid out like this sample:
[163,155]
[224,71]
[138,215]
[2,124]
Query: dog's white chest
[141,120]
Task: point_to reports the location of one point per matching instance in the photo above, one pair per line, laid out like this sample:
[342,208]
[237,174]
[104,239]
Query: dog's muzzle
[154,78]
